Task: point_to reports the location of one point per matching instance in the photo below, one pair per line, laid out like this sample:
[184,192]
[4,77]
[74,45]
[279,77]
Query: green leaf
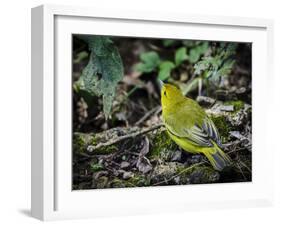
[203,47]
[103,71]
[169,42]
[150,62]
[165,69]
[193,56]
[180,55]
[196,52]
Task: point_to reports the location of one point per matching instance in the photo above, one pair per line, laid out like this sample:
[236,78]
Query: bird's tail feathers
[218,158]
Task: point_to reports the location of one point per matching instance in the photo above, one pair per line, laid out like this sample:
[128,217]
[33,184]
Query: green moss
[119,183]
[82,140]
[222,126]
[93,140]
[135,181]
[106,150]
[139,180]
[162,144]
[78,143]
[237,104]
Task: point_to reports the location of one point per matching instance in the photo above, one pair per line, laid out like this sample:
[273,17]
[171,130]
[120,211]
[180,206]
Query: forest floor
[132,148]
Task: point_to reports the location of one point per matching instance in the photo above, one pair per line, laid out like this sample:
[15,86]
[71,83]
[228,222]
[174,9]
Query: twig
[241,171]
[131,91]
[155,111]
[127,95]
[243,164]
[91,148]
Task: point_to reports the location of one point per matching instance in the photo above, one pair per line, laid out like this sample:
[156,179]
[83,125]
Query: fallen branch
[91,148]
[153,111]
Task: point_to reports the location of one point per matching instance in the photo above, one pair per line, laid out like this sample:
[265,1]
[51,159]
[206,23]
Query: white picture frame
[52,197]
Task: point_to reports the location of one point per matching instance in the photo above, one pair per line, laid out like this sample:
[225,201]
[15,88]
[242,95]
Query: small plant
[96,167]
[214,67]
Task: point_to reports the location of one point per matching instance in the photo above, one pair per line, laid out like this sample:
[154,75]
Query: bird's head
[170,95]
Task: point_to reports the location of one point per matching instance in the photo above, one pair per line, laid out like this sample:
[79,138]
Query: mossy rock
[164,172]
[226,119]
[80,142]
[222,125]
[139,180]
[101,182]
[136,181]
[173,173]
[107,181]
[162,146]
[203,175]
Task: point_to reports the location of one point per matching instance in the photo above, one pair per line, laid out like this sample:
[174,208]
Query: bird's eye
[165,93]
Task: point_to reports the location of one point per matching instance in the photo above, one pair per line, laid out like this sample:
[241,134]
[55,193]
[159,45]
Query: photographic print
[158,112]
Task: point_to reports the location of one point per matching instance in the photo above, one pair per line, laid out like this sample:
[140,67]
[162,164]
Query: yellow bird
[190,127]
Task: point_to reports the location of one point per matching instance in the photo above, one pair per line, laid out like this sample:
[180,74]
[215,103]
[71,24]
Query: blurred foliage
[214,67]
[209,63]
[190,64]
[169,42]
[150,62]
[180,55]
[103,71]
[165,69]
[197,51]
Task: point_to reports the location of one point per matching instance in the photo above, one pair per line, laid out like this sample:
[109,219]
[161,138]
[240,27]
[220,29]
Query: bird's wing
[209,127]
[201,133]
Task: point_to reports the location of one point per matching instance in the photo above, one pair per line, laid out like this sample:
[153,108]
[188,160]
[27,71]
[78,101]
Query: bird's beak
[161,84]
